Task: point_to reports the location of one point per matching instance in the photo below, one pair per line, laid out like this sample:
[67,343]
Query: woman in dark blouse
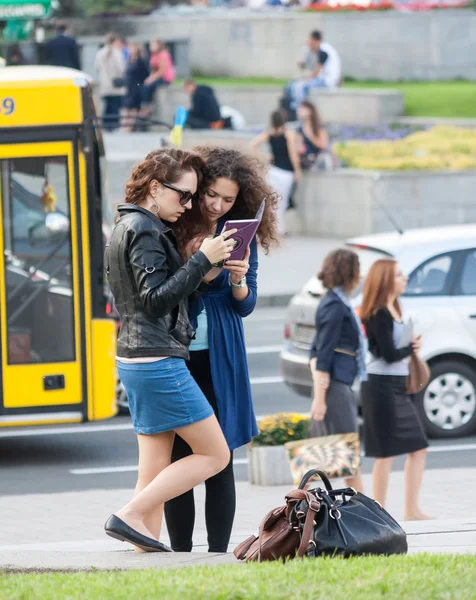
[338,350]
[285,170]
[391,423]
[312,138]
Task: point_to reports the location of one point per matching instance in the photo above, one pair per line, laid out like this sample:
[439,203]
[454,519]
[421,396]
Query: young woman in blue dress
[234,186]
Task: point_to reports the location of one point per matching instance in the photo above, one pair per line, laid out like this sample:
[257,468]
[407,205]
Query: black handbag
[342,522]
[119,82]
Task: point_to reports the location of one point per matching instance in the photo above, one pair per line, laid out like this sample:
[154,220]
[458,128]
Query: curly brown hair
[341,268]
[166,164]
[248,173]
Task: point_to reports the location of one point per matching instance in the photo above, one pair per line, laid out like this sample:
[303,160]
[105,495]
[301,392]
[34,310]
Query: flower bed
[367,5]
[438,148]
[393,131]
[278,429]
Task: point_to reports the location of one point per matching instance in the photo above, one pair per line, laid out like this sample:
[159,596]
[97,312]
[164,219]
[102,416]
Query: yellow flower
[438,148]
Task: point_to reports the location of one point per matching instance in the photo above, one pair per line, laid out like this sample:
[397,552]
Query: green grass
[418,577]
[456,99]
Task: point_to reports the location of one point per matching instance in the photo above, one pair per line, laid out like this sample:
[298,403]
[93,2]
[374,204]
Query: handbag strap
[314,507]
[321,474]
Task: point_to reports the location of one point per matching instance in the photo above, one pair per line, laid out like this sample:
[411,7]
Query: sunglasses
[185,196]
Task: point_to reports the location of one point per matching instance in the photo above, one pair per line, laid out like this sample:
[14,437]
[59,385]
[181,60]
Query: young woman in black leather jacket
[151,286]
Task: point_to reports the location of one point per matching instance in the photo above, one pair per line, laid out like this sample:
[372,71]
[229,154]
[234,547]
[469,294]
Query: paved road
[103,455]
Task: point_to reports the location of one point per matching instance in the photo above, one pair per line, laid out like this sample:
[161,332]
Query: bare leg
[124,119]
[355,482]
[145,112]
[414,468]
[154,456]
[381,476]
[133,119]
[211,455]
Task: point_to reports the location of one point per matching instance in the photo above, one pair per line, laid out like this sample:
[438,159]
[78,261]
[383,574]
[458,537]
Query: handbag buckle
[319,493]
[314,505]
[335,514]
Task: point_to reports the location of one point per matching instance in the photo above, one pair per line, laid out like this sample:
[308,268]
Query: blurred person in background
[110,68]
[15,57]
[313,140]
[338,350]
[391,423]
[162,73]
[123,46]
[233,187]
[204,112]
[324,71]
[137,72]
[285,169]
[63,50]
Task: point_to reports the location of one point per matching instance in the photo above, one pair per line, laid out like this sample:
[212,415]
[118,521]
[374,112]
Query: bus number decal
[7,106]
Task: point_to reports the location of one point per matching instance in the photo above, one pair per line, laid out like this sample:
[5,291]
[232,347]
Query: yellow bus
[57,341]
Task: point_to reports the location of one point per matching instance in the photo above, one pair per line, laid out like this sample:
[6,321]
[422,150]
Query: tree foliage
[70,8]
[105,7]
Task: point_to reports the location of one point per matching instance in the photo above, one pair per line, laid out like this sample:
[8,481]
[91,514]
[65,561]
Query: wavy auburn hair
[379,285]
[341,268]
[166,164]
[249,174]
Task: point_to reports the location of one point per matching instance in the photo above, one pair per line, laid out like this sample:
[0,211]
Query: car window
[431,277]
[467,284]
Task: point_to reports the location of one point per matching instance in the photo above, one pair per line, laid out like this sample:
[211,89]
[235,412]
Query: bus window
[38,260]
[108,209]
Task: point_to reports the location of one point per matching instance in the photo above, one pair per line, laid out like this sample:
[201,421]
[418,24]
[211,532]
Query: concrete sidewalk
[65,531]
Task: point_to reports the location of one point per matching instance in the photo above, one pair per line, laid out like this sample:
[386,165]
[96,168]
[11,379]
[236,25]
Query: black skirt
[392,425]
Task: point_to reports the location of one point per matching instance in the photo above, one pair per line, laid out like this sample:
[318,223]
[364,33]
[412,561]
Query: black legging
[220,499]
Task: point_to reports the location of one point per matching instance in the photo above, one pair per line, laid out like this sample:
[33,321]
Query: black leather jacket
[151,285]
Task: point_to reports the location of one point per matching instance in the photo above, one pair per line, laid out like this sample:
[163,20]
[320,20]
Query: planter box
[256,103]
[268,465]
[348,202]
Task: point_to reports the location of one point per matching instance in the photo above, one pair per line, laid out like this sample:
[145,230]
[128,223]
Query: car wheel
[122,401]
[448,405]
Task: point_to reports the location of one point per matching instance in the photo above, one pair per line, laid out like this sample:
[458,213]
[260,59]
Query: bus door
[42,316]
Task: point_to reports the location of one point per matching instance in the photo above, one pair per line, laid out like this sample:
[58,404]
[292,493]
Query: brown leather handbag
[279,534]
[419,375]
[276,539]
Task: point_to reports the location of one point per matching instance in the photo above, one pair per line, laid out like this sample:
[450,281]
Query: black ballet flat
[119,530]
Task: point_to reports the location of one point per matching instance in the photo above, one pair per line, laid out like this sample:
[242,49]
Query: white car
[440,299]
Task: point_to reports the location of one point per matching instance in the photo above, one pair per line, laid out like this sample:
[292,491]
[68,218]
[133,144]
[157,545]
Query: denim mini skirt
[163,395]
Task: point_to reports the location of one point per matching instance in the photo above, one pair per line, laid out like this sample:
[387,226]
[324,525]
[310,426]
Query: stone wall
[340,203]
[349,202]
[255,103]
[375,45]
